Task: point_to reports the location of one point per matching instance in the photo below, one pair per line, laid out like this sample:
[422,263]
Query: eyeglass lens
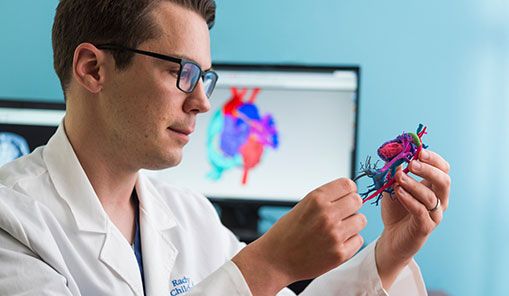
[189,76]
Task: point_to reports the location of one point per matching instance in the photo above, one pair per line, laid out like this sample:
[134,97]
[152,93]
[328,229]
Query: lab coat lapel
[73,186]
[119,256]
[159,253]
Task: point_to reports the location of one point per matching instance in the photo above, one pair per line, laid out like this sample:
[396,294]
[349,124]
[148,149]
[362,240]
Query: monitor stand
[242,220]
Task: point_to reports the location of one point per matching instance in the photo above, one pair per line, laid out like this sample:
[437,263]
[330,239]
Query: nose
[197,101]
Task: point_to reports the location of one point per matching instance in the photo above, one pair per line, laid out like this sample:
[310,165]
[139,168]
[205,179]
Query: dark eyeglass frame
[180,61]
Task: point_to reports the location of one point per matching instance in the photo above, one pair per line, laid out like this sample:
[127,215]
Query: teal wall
[26,60]
[442,63]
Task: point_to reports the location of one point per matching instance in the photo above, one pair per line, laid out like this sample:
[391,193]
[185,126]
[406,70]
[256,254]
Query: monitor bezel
[29,104]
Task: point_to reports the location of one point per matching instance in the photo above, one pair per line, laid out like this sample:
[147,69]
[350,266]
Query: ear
[89,67]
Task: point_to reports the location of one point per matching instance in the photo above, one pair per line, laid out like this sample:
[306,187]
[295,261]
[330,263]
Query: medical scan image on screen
[22,129]
[271,135]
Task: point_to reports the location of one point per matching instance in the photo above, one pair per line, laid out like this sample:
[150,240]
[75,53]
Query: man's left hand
[411,215]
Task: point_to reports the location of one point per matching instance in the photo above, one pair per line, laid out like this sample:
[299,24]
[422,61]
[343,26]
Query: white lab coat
[56,239]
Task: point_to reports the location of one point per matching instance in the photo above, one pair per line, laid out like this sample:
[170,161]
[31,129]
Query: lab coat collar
[158,252]
[72,183]
[152,205]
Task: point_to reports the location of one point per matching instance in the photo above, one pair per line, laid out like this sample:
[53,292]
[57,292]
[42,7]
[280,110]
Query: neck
[113,181]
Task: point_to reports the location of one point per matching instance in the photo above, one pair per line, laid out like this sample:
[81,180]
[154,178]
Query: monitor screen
[272,134]
[25,126]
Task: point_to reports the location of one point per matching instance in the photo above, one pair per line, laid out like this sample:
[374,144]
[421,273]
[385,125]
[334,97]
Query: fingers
[336,189]
[435,179]
[350,247]
[351,226]
[419,191]
[418,199]
[338,213]
[418,210]
[435,160]
[346,206]
[347,240]
[338,197]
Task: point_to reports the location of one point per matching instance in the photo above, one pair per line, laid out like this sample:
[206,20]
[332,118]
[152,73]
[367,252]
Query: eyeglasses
[189,73]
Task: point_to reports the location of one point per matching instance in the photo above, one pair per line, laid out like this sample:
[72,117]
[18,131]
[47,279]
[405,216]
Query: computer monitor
[25,126]
[273,134]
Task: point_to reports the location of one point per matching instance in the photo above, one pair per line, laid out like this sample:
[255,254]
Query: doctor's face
[150,119]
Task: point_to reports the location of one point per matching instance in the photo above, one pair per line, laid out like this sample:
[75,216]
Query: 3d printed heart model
[405,148]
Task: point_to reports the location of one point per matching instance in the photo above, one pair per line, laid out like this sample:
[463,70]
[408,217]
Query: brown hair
[127,23]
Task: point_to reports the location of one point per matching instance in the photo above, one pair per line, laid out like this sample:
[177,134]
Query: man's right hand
[318,234]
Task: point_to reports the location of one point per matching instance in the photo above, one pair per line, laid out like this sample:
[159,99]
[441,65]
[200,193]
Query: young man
[77,217]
